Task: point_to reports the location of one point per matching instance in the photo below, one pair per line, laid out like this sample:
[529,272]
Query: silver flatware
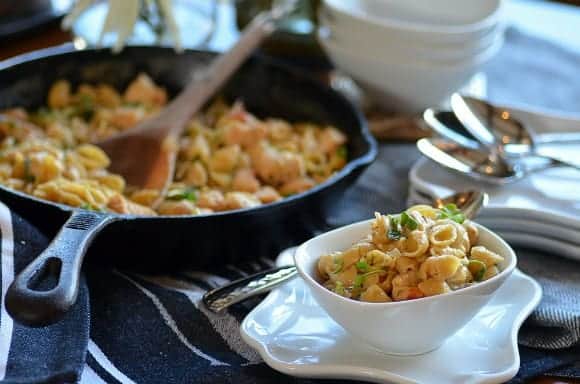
[482,165]
[496,129]
[219,299]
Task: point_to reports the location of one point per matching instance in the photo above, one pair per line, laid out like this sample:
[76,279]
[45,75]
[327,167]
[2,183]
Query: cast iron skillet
[43,292]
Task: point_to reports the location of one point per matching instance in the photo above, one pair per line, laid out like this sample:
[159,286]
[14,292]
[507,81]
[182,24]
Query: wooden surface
[52,35]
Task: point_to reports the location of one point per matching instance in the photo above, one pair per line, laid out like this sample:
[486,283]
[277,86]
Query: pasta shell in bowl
[405,283]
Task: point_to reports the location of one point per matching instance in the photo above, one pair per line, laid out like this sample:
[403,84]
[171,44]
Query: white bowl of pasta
[410,299]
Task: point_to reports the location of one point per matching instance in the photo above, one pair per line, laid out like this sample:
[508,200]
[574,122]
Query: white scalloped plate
[295,336]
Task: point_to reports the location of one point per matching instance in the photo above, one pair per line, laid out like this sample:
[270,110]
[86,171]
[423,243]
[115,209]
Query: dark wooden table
[52,35]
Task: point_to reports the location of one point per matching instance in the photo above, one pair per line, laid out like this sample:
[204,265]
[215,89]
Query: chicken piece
[239,200]
[59,95]
[195,148]
[276,167]
[118,203]
[224,160]
[196,175]
[245,180]
[125,117]
[182,207]
[212,199]
[267,195]
[279,130]
[297,186]
[240,127]
[330,139]
[244,134]
[107,96]
[143,90]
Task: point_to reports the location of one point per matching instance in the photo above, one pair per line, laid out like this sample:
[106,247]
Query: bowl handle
[48,287]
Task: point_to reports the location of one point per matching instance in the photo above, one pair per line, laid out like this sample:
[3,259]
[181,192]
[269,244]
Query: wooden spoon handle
[207,82]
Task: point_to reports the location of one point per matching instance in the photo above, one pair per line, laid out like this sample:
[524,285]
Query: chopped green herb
[342,151]
[450,211]
[408,221]
[90,207]
[359,280]
[394,232]
[362,266]
[87,206]
[339,288]
[85,107]
[339,264]
[28,176]
[477,269]
[183,194]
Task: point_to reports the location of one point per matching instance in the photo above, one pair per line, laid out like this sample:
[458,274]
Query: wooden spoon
[145,155]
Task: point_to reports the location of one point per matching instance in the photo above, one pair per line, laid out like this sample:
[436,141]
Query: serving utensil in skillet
[168,242]
[219,299]
[145,155]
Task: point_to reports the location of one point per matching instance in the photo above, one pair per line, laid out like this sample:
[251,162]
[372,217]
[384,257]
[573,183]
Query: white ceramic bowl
[406,327]
[381,47]
[417,20]
[404,85]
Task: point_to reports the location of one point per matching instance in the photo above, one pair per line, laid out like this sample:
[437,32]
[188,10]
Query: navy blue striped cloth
[152,329]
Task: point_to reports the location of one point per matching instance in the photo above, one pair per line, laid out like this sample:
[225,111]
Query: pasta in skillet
[422,252]
[228,159]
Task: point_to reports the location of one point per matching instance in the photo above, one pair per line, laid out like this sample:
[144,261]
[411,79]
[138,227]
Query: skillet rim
[351,166]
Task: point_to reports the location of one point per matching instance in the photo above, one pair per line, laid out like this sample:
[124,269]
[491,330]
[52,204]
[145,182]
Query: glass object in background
[296,38]
[195,21]
[17,17]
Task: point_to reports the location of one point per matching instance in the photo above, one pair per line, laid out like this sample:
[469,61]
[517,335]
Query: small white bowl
[406,327]
[404,85]
[417,20]
[384,47]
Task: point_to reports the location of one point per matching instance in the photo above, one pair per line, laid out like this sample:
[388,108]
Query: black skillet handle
[46,289]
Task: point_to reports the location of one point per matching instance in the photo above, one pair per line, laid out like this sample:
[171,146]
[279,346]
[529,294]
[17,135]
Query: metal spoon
[481,165]
[217,300]
[496,129]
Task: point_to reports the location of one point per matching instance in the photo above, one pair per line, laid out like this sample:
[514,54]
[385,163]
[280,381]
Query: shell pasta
[227,158]
[421,252]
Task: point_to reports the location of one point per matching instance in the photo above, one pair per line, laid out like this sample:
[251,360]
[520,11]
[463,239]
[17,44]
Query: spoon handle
[537,163]
[562,163]
[240,290]
[558,138]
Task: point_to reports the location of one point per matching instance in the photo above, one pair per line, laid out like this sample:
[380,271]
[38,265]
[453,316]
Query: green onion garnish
[183,194]
[359,280]
[394,232]
[342,151]
[477,269]
[28,176]
[339,288]
[450,211]
[339,264]
[408,221]
[362,266]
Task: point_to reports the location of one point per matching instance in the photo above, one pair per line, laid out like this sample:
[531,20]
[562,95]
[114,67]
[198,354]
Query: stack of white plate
[410,54]
[541,211]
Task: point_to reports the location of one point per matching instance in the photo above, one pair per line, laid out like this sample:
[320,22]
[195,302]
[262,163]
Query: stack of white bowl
[411,54]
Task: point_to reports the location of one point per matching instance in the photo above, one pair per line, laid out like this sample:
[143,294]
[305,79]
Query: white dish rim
[424,186]
[375,375]
[484,23]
